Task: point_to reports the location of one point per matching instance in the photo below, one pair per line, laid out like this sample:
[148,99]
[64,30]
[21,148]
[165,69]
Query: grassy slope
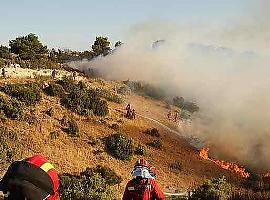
[75,154]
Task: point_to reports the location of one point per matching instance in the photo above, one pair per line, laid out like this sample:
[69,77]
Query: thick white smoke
[225,69]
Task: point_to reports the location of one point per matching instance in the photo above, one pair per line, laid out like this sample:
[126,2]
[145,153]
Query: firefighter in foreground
[31,179]
[143,186]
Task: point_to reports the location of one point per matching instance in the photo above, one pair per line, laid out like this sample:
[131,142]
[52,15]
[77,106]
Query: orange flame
[223,164]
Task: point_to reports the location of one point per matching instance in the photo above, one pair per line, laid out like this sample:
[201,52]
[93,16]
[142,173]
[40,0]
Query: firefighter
[176,116]
[33,178]
[133,114]
[128,111]
[169,115]
[4,73]
[54,73]
[74,74]
[143,186]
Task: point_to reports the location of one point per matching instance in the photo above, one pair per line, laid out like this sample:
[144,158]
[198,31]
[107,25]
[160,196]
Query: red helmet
[141,162]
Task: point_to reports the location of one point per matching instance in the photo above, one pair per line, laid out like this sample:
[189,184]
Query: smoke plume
[224,68]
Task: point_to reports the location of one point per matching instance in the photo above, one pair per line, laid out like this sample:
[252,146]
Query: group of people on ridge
[34,178]
[175,116]
[130,113]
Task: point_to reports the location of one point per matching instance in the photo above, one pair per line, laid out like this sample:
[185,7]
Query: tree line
[28,49]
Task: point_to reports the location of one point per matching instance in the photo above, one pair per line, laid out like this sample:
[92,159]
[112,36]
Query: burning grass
[204,153]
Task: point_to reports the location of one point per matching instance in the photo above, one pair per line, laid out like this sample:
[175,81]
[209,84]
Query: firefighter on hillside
[133,114]
[54,73]
[143,186]
[128,111]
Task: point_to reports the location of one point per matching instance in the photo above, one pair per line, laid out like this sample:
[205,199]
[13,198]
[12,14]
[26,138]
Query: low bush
[84,101]
[191,107]
[54,90]
[111,178]
[120,146]
[155,144]
[28,93]
[185,115]
[109,95]
[30,118]
[12,108]
[69,126]
[8,146]
[67,83]
[153,132]
[154,92]
[134,86]
[215,189]
[185,105]
[84,187]
[176,167]
[140,150]
[115,127]
[124,90]
[54,135]
[178,102]
[145,89]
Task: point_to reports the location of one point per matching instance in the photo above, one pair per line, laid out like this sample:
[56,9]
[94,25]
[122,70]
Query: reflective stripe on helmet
[46,167]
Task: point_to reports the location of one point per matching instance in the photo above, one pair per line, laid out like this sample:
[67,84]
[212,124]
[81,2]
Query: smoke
[224,68]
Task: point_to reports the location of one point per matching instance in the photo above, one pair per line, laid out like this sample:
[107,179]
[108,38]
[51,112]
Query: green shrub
[176,167]
[155,144]
[111,178]
[178,102]
[191,107]
[84,101]
[27,93]
[100,107]
[124,90]
[154,92]
[185,115]
[109,95]
[54,135]
[140,150]
[84,187]
[69,126]
[55,90]
[67,83]
[135,86]
[8,145]
[215,189]
[185,105]
[11,109]
[30,118]
[153,132]
[146,89]
[119,146]
[115,127]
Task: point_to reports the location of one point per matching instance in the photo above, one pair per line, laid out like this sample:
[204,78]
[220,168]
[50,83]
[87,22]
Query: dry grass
[71,155]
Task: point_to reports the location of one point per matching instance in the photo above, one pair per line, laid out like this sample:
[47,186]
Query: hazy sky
[74,24]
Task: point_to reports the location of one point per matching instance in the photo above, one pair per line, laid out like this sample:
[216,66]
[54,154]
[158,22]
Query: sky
[75,24]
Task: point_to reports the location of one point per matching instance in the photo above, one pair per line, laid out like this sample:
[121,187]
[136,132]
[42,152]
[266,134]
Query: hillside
[75,154]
